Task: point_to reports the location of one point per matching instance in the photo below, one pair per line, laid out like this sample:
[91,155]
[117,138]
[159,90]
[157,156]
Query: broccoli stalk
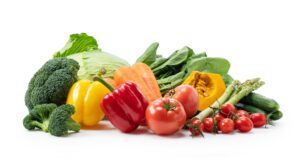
[61,123]
[39,117]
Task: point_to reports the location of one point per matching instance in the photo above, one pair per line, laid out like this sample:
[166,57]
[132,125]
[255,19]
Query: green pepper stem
[106,84]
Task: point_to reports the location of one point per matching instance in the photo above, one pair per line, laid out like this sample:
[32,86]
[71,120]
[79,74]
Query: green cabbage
[92,60]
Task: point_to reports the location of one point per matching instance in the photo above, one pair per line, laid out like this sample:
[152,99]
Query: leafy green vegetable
[171,79]
[84,49]
[158,61]
[51,83]
[76,44]
[179,58]
[149,56]
[227,79]
[209,64]
[91,62]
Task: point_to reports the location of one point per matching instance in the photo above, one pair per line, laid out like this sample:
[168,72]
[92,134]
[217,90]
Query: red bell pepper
[125,107]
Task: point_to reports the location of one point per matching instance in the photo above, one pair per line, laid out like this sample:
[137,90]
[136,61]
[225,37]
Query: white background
[260,38]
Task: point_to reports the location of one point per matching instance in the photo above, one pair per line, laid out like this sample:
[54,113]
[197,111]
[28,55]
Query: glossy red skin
[241,113]
[228,109]
[218,117]
[258,119]
[125,107]
[208,124]
[188,97]
[162,121]
[226,125]
[244,124]
[197,124]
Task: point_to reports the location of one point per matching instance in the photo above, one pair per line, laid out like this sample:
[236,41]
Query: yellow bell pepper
[86,97]
[209,86]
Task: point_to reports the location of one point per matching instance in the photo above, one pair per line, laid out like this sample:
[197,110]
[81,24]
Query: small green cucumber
[249,108]
[262,102]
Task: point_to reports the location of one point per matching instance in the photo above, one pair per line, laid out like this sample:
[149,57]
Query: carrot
[142,75]
[147,75]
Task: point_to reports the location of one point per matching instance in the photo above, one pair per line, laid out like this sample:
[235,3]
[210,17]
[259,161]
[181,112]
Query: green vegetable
[84,49]
[149,56]
[39,117]
[166,87]
[242,90]
[61,123]
[49,117]
[227,79]
[177,59]
[250,108]
[92,62]
[171,79]
[51,83]
[76,44]
[275,115]
[158,62]
[262,102]
[209,64]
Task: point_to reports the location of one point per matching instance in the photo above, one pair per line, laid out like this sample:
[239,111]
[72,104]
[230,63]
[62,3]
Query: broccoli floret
[51,83]
[39,117]
[61,123]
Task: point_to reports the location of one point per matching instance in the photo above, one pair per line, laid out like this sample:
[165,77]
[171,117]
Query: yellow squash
[86,97]
[209,86]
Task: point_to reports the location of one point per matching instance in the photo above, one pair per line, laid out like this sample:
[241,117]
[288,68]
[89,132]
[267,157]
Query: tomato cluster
[227,120]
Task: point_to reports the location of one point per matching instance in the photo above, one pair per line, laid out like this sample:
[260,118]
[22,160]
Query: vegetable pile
[82,85]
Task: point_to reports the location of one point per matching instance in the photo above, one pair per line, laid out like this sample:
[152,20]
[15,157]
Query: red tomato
[165,116]
[226,125]
[228,109]
[188,97]
[208,125]
[196,128]
[241,113]
[218,117]
[244,124]
[258,119]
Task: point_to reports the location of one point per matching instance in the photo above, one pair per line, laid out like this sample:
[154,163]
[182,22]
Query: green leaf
[77,43]
[149,56]
[209,64]
[178,58]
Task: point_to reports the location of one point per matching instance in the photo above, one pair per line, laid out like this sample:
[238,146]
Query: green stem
[43,126]
[73,125]
[106,84]
[208,111]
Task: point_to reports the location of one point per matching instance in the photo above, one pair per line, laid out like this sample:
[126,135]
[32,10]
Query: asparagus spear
[233,94]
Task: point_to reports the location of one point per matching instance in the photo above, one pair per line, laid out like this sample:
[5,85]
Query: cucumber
[262,102]
[249,108]
[276,115]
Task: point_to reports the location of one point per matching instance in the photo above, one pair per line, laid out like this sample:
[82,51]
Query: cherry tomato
[228,109]
[208,125]
[188,97]
[196,128]
[218,117]
[226,125]
[244,124]
[165,116]
[258,119]
[241,113]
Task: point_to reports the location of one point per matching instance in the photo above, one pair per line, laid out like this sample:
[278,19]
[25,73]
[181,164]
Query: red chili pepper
[125,107]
